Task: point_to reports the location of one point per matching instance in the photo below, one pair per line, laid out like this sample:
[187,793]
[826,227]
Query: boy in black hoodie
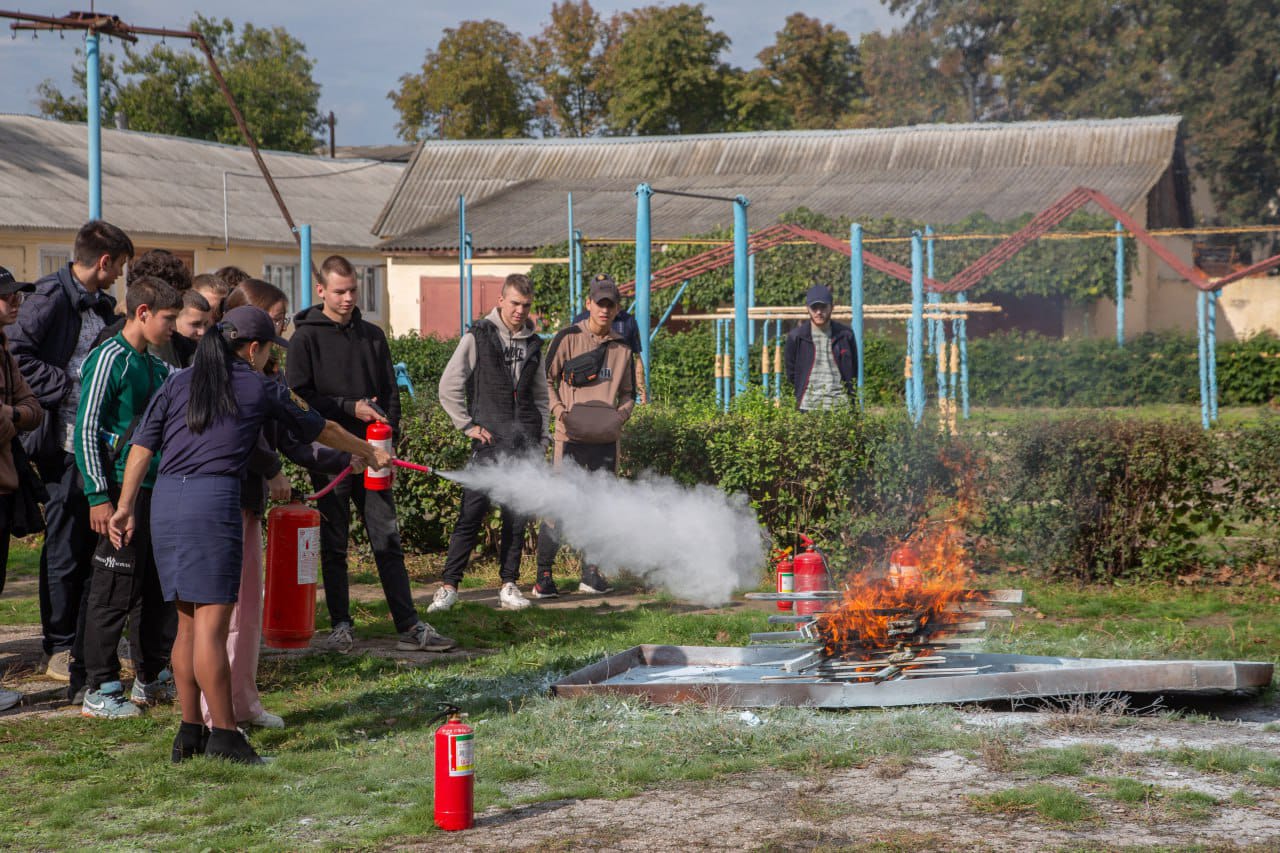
[341,365]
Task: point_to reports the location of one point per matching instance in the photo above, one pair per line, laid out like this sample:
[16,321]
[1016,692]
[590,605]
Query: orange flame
[878,613]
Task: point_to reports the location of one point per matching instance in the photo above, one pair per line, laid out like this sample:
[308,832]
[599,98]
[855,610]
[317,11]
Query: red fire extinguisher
[455,771]
[810,576]
[785,572]
[904,567]
[293,557]
[379,435]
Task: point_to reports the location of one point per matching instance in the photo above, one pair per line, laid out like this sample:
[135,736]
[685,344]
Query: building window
[53,258]
[370,279]
[284,275]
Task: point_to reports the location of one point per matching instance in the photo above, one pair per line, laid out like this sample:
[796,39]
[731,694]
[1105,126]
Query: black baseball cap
[604,287]
[9,284]
[250,323]
[819,293]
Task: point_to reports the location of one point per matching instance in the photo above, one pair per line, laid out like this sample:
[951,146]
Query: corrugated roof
[168,186]
[516,189]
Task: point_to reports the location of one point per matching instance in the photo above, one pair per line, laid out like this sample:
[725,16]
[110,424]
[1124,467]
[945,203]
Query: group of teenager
[154,437]
[158,434]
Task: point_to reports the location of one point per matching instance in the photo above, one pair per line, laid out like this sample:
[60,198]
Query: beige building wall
[404,282]
[28,254]
[1248,307]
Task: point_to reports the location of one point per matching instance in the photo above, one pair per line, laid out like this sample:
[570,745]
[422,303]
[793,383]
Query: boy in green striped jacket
[118,380]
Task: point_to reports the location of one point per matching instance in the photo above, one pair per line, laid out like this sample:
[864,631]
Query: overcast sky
[361,49]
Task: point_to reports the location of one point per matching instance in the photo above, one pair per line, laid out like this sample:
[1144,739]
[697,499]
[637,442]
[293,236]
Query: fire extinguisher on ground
[293,558]
[379,435]
[811,575]
[455,771]
[904,567]
[785,571]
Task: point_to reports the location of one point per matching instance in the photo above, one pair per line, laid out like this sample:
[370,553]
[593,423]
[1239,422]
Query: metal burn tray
[732,676]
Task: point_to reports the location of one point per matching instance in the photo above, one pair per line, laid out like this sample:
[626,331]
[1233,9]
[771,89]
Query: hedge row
[1004,370]
[1091,497]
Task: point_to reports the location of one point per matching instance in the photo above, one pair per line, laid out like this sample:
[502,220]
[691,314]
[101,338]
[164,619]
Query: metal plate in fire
[756,677]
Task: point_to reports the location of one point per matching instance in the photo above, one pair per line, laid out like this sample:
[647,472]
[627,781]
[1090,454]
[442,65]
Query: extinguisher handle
[806,541]
[447,710]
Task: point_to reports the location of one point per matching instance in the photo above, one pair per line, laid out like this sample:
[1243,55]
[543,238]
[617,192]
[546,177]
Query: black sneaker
[544,589]
[594,582]
[232,745]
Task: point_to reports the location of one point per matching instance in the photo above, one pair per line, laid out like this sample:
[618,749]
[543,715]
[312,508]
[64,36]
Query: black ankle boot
[231,745]
[189,742]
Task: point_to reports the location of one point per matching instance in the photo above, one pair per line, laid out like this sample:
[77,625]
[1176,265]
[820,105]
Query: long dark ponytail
[211,394]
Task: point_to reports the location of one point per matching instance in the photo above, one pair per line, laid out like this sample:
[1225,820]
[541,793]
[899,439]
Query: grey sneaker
[108,702]
[59,668]
[445,597]
[511,598]
[9,698]
[594,582]
[160,691]
[341,638]
[423,638]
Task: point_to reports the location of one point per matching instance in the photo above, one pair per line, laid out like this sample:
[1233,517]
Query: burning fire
[929,579]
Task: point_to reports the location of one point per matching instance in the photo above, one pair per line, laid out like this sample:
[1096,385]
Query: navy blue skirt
[197,535]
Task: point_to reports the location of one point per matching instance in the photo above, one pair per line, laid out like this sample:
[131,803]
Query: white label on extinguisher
[460,751]
[786,582]
[308,554]
[385,473]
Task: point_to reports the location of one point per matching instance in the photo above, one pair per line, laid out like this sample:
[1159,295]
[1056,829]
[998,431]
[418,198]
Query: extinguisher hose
[332,485]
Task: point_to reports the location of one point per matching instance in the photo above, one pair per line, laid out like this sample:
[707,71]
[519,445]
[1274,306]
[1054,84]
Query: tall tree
[664,74]
[814,71]
[472,86]
[903,83]
[565,62]
[171,91]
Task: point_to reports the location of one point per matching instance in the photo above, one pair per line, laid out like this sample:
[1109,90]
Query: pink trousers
[246,629]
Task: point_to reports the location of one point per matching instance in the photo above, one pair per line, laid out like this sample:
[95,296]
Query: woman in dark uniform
[204,422]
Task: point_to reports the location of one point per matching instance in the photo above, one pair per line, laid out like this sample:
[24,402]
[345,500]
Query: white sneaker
[511,598]
[445,597]
[265,720]
[341,638]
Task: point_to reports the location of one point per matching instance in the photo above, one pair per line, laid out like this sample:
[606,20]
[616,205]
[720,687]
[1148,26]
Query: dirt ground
[924,804]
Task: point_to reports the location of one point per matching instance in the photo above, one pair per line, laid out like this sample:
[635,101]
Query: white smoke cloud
[698,543]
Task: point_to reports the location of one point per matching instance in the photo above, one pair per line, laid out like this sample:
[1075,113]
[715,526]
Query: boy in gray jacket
[494,392]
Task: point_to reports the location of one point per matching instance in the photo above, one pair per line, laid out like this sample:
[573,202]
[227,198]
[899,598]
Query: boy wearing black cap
[820,357]
[590,406]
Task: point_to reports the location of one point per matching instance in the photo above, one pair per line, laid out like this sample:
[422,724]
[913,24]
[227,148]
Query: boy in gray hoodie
[494,392]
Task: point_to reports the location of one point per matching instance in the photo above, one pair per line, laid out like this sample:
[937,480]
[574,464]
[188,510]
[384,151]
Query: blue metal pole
[765,357]
[937,330]
[1211,333]
[741,351]
[716,372]
[856,280]
[667,313]
[577,284]
[470,309]
[573,268]
[917,323]
[1119,284]
[751,297]
[641,306]
[92,86]
[778,370]
[462,265]
[1202,301]
[962,337]
[304,267]
[930,297]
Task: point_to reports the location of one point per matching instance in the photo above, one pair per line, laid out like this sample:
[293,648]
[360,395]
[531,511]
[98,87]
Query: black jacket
[43,341]
[798,357]
[333,367]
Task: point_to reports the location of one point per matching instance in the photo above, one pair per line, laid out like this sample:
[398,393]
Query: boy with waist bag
[120,377]
[592,388]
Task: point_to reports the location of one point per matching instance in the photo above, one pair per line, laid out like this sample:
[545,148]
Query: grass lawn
[354,767]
